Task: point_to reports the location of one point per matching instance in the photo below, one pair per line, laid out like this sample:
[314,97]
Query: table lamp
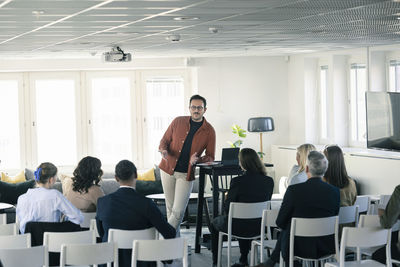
[260,125]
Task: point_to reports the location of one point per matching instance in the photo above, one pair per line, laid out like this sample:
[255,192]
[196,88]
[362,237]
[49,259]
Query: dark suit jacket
[311,199]
[249,188]
[128,210]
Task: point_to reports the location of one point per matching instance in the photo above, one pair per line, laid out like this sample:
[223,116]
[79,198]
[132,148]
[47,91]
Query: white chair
[3,218]
[313,227]
[363,237]
[15,241]
[239,211]
[348,214]
[363,203]
[160,250]
[89,254]
[54,240]
[25,257]
[282,185]
[373,221]
[268,220]
[93,226]
[274,204]
[8,229]
[87,217]
[125,238]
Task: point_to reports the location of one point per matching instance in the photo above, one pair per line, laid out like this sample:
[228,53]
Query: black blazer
[311,199]
[248,188]
[128,210]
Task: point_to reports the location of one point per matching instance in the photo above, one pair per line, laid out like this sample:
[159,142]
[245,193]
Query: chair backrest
[313,227]
[25,257]
[383,201]
[348,214]
[363,203]
[159,250]
[364,237]
[268,220]
[373,221]
[239,210]
[54,240]
[124,238]
[282,185]
[3,218]
[274,204]
[8,229]
[93,226]
[15,241]
[87,217]
[89,254]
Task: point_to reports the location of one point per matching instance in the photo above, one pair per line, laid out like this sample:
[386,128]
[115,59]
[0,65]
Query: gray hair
[317,164]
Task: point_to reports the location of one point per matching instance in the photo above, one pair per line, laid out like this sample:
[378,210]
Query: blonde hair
[303,151]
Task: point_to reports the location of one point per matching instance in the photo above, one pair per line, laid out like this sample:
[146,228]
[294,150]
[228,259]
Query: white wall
[239,88]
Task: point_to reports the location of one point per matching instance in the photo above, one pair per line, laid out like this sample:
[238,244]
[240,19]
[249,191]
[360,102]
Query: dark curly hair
[87,173]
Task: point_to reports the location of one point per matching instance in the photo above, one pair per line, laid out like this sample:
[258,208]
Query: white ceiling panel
[59,28]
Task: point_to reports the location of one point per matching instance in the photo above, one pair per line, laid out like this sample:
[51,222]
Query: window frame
[67,75]
[323,139]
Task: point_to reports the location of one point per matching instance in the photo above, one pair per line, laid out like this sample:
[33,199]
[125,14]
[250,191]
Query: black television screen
[383,120]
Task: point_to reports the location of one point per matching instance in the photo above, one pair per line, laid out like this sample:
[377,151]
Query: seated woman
[336,175]
[43,204]
[298,172]
[253,186]
[83,190]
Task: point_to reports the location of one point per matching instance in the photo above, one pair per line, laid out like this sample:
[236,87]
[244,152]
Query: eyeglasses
[199,108]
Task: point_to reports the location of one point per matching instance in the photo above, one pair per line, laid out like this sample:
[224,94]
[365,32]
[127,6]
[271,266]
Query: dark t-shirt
[183,161]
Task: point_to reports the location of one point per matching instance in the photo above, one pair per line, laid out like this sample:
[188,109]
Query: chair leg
[252,254]
[262,253]
[229,250]
[219,249]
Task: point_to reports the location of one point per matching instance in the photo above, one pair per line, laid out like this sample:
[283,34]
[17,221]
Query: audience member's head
[336,174]
[125,171]
[87,173]
[45,172]
[316,164]
[302,154]
[250,161]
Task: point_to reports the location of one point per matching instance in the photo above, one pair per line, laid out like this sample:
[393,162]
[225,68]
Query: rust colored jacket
[174,137]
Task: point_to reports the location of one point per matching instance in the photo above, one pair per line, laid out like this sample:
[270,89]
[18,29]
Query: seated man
[388,217]
[128,210]
[311,199]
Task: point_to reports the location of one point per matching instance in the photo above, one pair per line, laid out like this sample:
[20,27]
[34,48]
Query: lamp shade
[260,124]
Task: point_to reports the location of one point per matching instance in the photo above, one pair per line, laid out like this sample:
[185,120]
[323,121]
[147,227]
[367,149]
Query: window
[164,101]
[9,121]
[56,121]
[111,119]
[323,100]
[358,87]
[394,76]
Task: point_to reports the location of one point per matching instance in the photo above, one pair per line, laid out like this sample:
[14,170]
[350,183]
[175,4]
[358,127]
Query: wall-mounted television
[383,120]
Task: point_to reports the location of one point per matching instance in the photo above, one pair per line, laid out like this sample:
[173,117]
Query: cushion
[66,183]
[147,176]
[9,193]
[149,187]
[19,178]
[157,172]
[29,174]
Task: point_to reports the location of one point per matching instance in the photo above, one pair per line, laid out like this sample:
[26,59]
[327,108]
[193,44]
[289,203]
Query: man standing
[181,147]
[128,210]
[311,199]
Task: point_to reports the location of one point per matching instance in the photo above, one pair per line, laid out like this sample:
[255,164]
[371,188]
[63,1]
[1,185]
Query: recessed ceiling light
[174,38]
[185,18]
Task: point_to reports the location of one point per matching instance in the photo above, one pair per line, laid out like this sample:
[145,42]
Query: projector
[116,55]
